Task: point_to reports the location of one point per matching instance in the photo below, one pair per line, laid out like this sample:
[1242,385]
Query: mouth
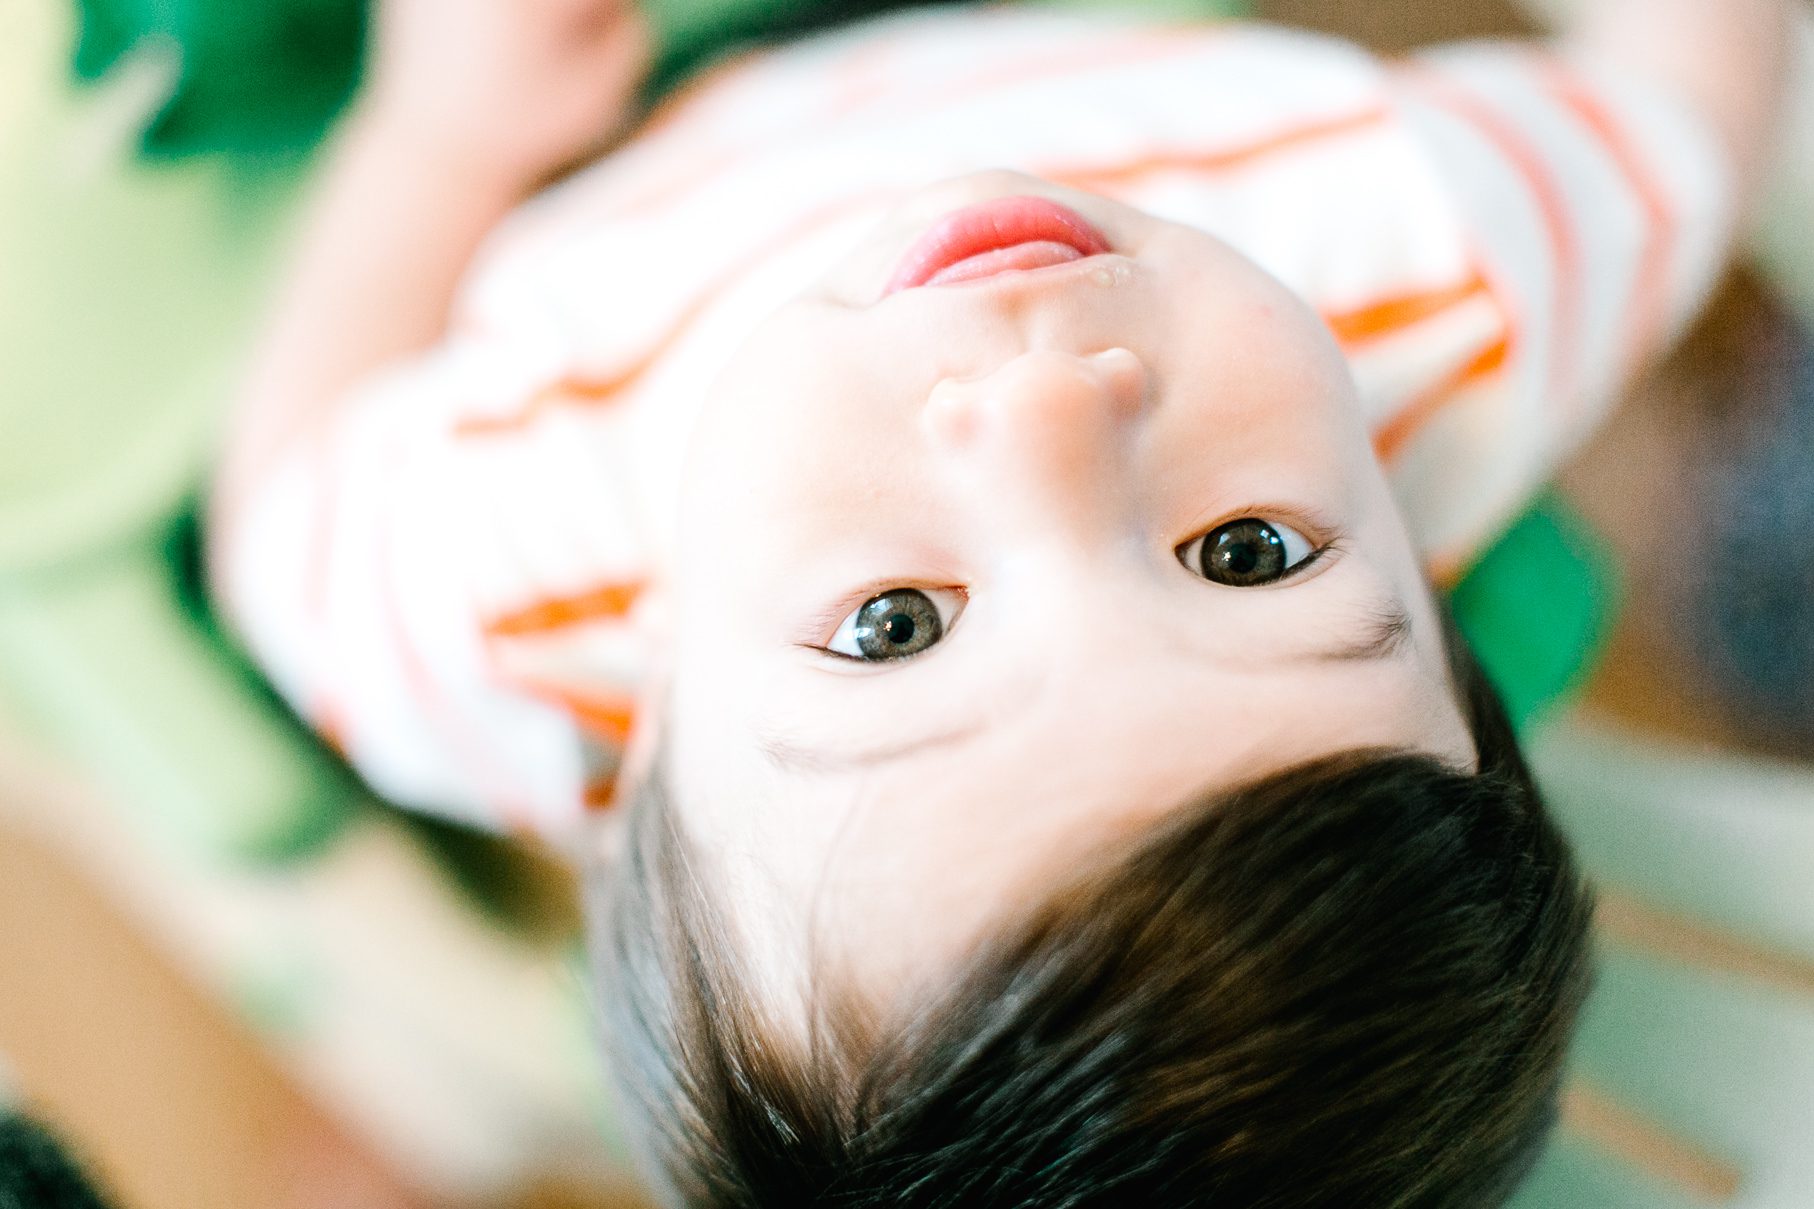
[1001,235]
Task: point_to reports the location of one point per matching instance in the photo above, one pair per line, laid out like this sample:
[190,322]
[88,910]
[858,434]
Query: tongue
[1037,254]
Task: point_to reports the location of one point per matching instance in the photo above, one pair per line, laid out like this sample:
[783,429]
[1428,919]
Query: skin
[1034,446]
[1033,450]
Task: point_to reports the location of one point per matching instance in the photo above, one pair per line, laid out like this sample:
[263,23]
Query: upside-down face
[1035,518]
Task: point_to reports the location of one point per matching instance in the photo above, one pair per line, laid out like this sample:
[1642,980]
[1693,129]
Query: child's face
[1024,464]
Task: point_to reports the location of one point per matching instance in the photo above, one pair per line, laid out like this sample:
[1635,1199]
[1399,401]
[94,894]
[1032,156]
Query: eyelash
[1311,560]
[1307,524]
[827,621]
[1325,537]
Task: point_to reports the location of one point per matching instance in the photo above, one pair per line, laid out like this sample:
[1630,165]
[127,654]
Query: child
[1052,782]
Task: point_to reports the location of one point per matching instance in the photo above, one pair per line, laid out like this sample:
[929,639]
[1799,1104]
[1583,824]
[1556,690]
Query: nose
[1046,434]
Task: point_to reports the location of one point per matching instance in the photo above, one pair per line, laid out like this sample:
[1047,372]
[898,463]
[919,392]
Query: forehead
[1087,691]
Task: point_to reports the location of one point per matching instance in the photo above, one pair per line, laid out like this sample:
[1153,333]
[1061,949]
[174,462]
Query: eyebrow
[1384,631]
[785,752]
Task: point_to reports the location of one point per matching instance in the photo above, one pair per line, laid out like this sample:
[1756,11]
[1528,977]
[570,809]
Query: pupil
[1244,553]
[897,624]
[1241,558]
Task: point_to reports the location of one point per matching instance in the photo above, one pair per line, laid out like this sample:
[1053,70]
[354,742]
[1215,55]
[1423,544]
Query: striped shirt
[452,586]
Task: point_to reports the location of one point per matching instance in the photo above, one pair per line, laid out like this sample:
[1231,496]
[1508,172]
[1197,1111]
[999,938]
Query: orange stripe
[1648,310]
[1143,45]
[571,390]
[597,391]
[604,602]
[576,390]
[1222,159]
[608,718]
[1394,435]
[1444,570]
[1386,316]
[1564,241]
[600,795]
[594,391]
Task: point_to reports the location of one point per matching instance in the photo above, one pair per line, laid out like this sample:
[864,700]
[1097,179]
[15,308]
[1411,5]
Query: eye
[899,623]
[1247,553]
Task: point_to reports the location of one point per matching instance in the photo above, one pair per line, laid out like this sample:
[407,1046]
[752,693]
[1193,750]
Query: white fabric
[448,588]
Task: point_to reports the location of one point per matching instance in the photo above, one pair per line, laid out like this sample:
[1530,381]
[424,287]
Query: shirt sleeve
[1597,210]
[445,586]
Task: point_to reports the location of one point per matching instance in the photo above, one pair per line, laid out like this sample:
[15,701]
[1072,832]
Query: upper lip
[1001,222]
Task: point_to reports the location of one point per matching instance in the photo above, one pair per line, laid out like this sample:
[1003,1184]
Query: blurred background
[228,978]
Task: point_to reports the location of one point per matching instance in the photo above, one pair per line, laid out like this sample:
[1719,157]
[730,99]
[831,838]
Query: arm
[471,104]
[1595,179]
[1727,58]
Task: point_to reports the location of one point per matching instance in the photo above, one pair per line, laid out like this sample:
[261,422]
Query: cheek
[766,842]
[782,407]
[732,483]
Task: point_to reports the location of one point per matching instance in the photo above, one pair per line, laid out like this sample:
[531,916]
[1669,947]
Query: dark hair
[1350,983]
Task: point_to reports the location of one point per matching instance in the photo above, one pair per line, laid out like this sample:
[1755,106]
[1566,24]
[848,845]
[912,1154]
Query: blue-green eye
[1246,553]
[897,624]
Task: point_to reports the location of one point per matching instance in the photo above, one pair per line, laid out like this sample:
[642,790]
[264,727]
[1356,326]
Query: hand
[469,106]
[516,88]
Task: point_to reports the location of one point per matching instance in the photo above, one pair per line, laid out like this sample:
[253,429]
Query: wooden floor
[167,1096]
[170,1100]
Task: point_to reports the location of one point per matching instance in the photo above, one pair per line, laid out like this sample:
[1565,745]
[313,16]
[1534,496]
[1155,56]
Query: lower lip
[1002,235]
